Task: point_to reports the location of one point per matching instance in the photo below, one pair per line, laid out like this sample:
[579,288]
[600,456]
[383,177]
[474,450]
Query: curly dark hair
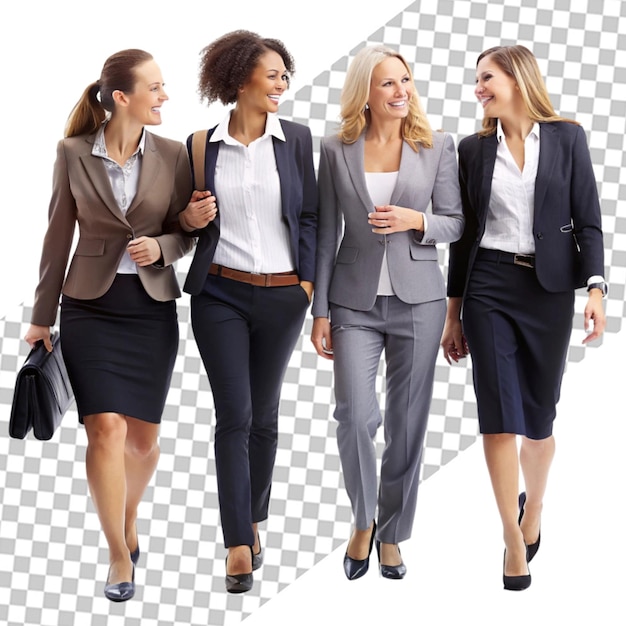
[227,63]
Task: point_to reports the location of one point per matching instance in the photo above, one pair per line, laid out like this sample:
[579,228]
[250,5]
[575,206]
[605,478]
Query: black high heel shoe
[531,548]
[120,592]
[257,559]
[515,583]
[394,572]
[239,583]
[355,568]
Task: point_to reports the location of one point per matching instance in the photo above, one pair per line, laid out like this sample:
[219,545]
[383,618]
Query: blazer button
[539,235]
[129,236]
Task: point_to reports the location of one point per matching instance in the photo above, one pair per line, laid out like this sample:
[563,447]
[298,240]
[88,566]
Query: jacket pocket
[422,253]
[89,247]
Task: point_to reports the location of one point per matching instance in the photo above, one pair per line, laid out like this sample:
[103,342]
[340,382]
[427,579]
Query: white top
[124,182]
[509,224]
[253,234]
[380,186]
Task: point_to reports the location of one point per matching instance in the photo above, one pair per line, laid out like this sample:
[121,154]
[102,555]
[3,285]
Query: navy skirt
[120,350]
[518,336]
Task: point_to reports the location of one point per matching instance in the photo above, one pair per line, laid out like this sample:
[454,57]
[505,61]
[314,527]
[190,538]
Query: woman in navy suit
[532,236]
[251,278]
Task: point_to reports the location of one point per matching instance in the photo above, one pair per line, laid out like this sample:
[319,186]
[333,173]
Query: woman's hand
[307,285]
[452,340]
[144,251]
[37,333]
[393,219]
[201,210]
[595,318]
[321,337]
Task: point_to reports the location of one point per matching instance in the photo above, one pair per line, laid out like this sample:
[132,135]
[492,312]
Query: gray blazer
[347,273]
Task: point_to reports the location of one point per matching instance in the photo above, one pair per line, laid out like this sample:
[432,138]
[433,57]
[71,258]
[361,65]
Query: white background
[49,51]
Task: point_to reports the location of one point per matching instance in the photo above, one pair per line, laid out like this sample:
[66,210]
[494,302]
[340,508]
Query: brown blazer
[82,193]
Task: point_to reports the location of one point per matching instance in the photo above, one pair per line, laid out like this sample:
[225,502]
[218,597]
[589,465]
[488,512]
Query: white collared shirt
[124,182]
[509,224]
[254,237]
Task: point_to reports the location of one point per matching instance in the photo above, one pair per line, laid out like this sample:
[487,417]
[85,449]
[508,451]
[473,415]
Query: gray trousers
[410,336]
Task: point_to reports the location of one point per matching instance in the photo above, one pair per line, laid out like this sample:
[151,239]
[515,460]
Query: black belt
[499,256]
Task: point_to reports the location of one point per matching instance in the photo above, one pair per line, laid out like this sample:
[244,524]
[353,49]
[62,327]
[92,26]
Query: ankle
[239,560]
[359,544]
[390,554]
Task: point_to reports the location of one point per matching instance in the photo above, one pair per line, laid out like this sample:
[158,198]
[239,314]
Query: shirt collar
[272,128]
[100,148]
[533,131]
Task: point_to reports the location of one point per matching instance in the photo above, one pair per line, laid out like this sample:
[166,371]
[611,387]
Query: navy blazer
[294,161]
[567,227]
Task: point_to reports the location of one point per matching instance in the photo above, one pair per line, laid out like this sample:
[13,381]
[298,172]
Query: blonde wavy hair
[521,65]
[355,116]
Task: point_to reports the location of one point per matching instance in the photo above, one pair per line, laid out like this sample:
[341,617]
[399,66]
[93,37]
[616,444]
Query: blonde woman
[380,288]
[532,236]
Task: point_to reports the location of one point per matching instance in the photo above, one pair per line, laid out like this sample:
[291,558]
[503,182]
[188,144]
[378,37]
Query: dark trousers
[246,335]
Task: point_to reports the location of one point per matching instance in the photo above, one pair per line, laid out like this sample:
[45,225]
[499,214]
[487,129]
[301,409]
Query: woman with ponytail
[125,188]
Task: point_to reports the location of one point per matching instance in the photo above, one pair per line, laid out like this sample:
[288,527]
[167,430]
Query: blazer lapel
[355,162]
[406,174]
[548,151]
[281,155]
[96,172]
[150,166]
[210,161]
[489,148]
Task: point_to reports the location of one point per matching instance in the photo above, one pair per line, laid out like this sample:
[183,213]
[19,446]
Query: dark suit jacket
[567,221]
[294,160]
[82,193]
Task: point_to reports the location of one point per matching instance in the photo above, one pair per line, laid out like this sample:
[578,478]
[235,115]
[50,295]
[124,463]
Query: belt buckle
[525,260]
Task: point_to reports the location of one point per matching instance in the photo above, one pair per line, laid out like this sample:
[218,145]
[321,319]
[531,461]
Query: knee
[141,447]
[499,438]
[358,422]
[105,430]
[537,446]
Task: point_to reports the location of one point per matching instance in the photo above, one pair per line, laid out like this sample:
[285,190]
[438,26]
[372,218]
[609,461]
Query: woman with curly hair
[391,182]
[251,278]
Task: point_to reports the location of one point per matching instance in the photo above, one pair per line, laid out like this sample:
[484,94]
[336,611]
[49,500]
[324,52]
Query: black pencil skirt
[120,350]
[518,336]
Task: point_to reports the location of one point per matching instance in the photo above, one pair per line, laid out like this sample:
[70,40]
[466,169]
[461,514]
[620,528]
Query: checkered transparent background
[53,555]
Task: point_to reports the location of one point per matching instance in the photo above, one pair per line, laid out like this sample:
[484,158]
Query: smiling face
[144,103]
[267,82]
[496,90]
[391,89]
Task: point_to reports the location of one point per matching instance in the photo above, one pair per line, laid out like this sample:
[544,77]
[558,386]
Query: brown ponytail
[118,74]
[87,114]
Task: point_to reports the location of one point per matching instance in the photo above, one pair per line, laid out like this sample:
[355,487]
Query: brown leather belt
[284,279]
